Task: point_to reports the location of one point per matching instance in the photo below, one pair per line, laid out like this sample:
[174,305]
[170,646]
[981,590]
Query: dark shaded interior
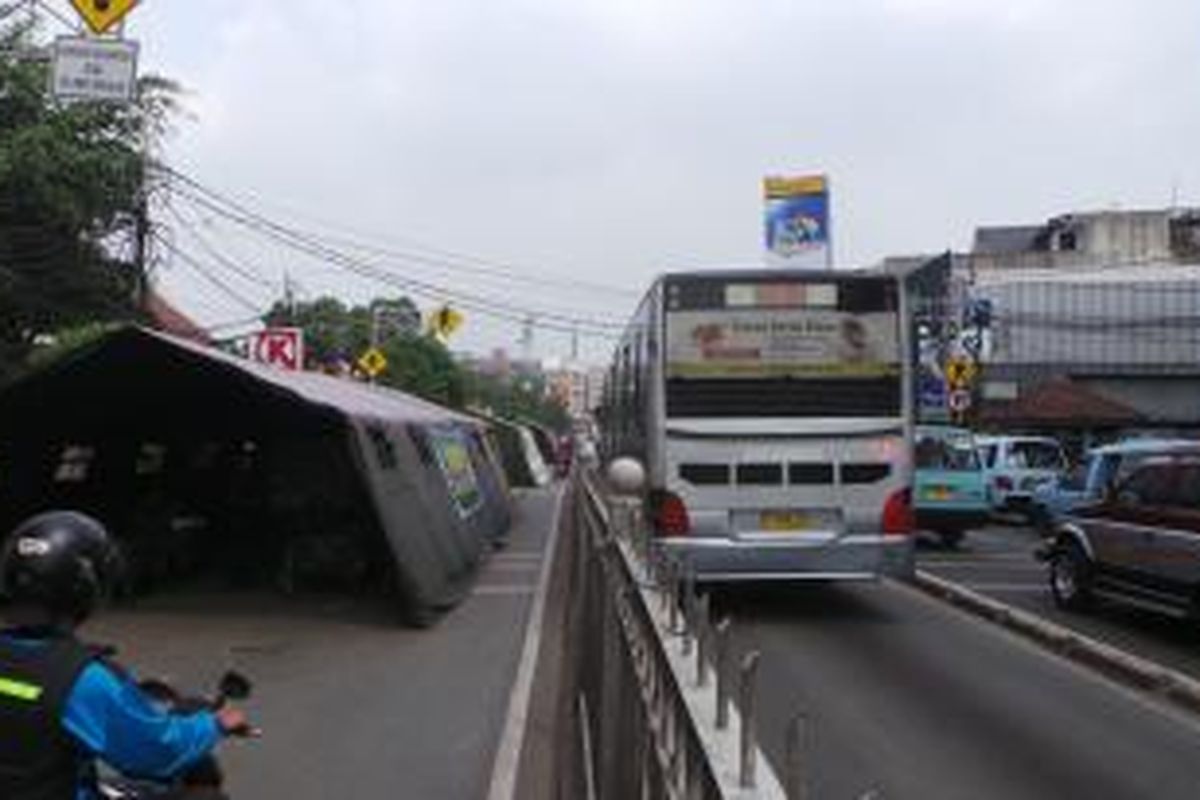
[202,472]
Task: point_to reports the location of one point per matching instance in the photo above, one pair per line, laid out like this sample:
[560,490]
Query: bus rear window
[765,347]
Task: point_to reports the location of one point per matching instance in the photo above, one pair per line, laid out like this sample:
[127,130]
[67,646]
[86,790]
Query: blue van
[949,487]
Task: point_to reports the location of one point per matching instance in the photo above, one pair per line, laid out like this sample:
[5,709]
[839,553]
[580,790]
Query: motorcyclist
[63,704]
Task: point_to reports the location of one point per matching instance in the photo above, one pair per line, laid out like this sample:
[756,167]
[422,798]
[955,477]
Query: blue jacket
[113,721]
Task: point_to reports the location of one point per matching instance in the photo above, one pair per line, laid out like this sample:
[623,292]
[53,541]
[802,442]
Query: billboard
[797,220]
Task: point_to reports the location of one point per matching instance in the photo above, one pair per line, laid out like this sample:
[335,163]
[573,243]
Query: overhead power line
[312,246]
[201,269]
[441,258]
[216,255]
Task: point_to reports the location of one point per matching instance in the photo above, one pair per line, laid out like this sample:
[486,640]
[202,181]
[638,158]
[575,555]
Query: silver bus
[772,410]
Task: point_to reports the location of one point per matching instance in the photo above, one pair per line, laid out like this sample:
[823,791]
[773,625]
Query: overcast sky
[603,141]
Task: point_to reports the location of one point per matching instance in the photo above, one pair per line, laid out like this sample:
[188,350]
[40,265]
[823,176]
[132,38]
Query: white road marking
[503,785]
[504,590]
[1025,559]
[1008,588]
[513,566]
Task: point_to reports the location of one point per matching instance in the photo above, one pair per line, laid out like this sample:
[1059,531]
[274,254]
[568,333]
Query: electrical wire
[216,255]
[441,258]
[199,267]
[316,249]
[313,247]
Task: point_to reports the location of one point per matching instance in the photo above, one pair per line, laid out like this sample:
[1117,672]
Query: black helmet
[60,561]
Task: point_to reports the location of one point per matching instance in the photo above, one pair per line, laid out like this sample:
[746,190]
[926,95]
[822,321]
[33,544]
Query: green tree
[337,333]
[73,180]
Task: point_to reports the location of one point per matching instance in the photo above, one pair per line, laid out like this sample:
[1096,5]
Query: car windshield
[954,454]
[1035,455]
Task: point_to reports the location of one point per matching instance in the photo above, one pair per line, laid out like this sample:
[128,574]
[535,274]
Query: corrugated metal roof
[352,397]
[1155,272]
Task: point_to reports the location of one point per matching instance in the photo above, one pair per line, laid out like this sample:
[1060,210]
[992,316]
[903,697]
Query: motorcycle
[205,779]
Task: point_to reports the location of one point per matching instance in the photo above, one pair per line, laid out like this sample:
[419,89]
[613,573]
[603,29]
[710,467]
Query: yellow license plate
[786,521]
[937,493]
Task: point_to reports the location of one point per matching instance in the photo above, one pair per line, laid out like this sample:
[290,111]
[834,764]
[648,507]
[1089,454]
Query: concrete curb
[1180,690]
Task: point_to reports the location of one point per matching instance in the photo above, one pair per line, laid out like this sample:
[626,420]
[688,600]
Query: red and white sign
[279,347]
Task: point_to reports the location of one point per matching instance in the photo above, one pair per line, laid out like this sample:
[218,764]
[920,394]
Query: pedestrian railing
[659,709]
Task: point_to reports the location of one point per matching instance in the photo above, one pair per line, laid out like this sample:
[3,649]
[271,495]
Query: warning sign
[102,15]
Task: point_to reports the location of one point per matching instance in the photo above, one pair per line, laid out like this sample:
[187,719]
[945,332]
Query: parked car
[1015,466]
[1086,483]
[1140,542]
[950,493]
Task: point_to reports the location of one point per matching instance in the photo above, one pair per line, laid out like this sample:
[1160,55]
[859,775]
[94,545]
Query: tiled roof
[1061,403]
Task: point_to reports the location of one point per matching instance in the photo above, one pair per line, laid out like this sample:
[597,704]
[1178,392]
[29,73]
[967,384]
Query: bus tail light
[670,515]
[899,518]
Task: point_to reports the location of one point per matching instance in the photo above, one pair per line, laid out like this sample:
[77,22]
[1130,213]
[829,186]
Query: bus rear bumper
[850,558]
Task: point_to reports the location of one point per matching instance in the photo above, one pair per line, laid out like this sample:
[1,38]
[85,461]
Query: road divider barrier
[1179,689]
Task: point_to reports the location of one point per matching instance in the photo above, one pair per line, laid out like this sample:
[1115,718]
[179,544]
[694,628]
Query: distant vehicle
[1140,542]
[950,492]
[1015,466]
[1087,482]
[771,410]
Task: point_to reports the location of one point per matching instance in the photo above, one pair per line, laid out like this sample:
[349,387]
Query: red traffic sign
[960,400]
[280,347]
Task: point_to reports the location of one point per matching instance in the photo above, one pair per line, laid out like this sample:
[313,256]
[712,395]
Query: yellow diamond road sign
[373,362]
[102,15]
[960,372]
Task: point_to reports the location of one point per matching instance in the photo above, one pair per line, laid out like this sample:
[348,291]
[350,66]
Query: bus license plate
[783,521]
[937,493]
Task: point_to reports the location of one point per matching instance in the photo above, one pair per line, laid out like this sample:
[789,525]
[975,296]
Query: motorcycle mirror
[235,686]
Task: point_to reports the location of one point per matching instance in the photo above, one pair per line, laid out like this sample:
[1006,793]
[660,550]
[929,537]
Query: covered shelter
[204,464]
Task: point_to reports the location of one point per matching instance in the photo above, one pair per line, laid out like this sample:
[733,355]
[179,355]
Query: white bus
[773,413]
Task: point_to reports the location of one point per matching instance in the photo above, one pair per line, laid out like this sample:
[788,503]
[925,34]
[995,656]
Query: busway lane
[913,699]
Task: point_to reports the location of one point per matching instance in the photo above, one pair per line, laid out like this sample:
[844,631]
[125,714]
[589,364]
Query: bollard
[747,679]
[723,677]
[703,635]
[689,608]
[673,596]
[795,761]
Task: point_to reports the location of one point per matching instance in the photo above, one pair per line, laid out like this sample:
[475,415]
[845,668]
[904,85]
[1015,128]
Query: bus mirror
[626,476]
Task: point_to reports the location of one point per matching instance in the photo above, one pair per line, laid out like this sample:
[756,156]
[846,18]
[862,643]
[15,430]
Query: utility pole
[527,338]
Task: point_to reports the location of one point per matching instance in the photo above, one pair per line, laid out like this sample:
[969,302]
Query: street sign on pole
[95,69]
[960,372]
[444,322]
[373,362]
[960,401]
[280,347]
[102,15]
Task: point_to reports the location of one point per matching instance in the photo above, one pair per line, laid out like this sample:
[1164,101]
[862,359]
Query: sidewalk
[352,705]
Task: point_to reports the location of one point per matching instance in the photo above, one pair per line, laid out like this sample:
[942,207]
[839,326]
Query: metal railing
[651,678]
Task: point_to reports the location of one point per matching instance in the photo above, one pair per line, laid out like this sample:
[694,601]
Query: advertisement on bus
[794,343]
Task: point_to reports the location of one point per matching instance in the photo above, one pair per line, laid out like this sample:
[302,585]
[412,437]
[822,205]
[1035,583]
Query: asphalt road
[352,705]
[999,562]
[910,698]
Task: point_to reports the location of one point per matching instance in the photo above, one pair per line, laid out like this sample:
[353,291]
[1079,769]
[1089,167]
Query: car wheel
[951,539]
[1071,578]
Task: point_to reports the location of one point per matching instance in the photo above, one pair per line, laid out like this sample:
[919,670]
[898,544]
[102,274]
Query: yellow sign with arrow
[445,322]
[960,372]
[102,15]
